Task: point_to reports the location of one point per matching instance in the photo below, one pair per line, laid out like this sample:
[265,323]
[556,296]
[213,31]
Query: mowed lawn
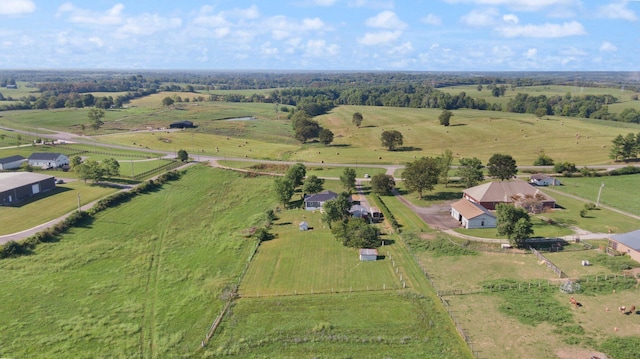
[297,262]
[142,280]
[379,324]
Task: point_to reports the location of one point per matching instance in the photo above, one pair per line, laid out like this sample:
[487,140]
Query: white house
[48,160]
[315,201]
[367,254]
[472,215]
[11,163]
[541,179]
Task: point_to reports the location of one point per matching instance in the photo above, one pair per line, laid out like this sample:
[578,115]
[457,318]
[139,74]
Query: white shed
[304,226]
[540,179]
[11,163]
[368,254]
[472,215]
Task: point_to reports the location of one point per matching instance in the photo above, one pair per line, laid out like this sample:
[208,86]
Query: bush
[583,213]
[628,170]
[439,247]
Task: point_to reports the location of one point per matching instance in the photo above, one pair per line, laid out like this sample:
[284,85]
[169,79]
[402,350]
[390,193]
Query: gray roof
[11,180]
[45,156]
[630,239]
[323,196]
[11,159]
[469,209]
[503,191]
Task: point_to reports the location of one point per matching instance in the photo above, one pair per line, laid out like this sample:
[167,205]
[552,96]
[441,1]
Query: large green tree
[357,119]
[95,117]
[183,156]
[325,136]
[348,179]
[356,233]
[445,117]
[382,183]
[313,184]
[336,210]
[470,171]
[422,174]
[502,166]
[514,223]
[110,167]
[283,190]
[296,174]
[391,139]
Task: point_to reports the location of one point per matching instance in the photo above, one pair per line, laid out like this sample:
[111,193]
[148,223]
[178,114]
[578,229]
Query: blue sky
[435,35]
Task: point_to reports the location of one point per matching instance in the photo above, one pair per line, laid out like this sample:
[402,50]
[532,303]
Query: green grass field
[142,280]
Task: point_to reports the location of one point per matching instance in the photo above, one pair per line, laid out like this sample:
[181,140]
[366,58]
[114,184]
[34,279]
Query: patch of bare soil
[578,353]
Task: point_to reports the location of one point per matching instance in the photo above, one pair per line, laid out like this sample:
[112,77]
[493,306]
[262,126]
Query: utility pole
[599,193]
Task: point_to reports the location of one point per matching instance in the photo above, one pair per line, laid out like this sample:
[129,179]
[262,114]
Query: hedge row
[13,249]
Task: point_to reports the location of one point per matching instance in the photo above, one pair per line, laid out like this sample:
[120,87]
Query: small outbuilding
[11,163]
[304,226]
[46,160]
[627,243]
[472,215]
[541,179]
[18,186]
[368,254]
[182,124]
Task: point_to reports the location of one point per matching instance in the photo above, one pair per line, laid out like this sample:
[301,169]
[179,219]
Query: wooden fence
[549,264]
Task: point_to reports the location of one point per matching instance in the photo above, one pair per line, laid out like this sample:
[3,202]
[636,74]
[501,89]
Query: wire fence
[549,264]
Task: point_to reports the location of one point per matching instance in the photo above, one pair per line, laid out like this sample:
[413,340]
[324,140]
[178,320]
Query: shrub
[628,170]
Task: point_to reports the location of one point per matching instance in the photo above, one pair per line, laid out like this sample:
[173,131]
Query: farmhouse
[17,186]
[315,201]
[472,215]
[48,160]
[367,254]
[541,179]
[488,195]
[628,243]
[182,124]
[11,163]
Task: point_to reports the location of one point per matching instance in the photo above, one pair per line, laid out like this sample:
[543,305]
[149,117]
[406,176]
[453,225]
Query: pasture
[132,285]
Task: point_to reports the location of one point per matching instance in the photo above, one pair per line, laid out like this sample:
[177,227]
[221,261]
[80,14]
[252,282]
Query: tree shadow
[368,126]
[40,196]
[457,124]
[407,149]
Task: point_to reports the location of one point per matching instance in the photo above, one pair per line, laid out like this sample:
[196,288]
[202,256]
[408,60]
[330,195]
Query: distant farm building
[367,254]
[541,179]
[182,124]
[627,243]
[315,201]
[11,163]
[18,186]
[47,160]
[472,215]
[488,195]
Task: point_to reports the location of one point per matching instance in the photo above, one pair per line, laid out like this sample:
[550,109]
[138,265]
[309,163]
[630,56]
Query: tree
[357,119]
[445,163]
[336,209]
[422,174]
[514,223]
[306,129]
[382,183]
[313,184]
[95,118]
[283,190]
[75,161]
[167,101]
[445,117]
[356,233]
[565,167]
[543,160]
[111,167]
[391,139]
[296,174]
[479,87]
[470,171]
[502,166]
[325,136]
[183,156]
[348,179]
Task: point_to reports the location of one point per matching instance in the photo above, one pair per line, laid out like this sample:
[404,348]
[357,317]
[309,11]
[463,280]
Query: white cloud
[523,5]
[372,4]
[282,27]
[403,49]
[147,24]
[17,7]
[432,19]
[319,48]
[531,53]
[324,2]
[510,18]
[379,38]
[502,51]
[617,10]
[386,20]
[267,49]
[572,28]
[573,51]
[608,47]
[96,41]
[112,16]
[480,17]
